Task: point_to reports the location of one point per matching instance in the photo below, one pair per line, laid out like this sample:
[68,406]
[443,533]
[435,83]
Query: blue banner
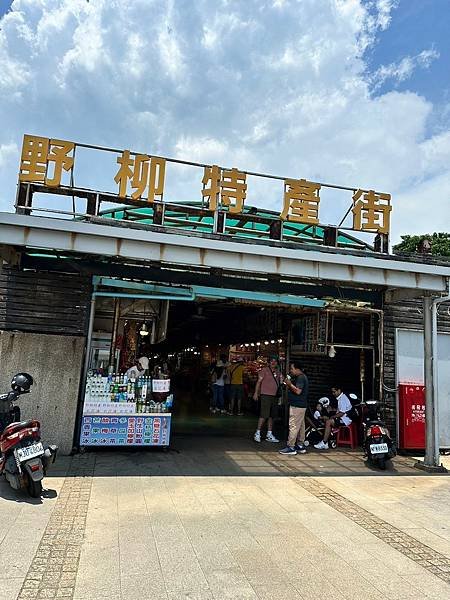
[121,430]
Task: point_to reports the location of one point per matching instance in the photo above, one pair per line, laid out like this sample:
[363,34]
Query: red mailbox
[411,416]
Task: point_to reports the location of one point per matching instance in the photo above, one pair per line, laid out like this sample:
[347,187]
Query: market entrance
[183,338]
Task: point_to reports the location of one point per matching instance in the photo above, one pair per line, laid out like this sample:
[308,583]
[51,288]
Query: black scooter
[378,445]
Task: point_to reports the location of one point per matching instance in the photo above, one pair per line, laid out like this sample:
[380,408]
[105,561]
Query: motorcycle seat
[13,427]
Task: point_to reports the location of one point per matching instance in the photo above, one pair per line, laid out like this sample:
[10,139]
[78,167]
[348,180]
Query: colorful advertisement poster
[121,430]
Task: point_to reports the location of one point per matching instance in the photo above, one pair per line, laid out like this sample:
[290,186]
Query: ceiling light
[143,330]
[332,352]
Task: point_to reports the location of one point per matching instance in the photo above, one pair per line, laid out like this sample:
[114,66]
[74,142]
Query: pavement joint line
[53,570]
[433,561]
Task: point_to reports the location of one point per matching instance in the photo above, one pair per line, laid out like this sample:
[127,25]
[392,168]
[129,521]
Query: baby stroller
[315,430]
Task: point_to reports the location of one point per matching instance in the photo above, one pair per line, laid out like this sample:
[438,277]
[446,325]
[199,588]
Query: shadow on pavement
[233,457]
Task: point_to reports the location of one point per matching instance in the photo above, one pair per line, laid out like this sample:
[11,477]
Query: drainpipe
[432,459]
[76,437]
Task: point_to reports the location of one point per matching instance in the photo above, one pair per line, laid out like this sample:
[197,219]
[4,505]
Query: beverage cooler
[411,416]
[122,412]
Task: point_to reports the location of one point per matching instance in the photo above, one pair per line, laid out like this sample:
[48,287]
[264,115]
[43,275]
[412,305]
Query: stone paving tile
[422,555]
[53,570]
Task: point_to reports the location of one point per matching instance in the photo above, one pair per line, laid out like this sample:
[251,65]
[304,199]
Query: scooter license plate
[378,448]
[30,451]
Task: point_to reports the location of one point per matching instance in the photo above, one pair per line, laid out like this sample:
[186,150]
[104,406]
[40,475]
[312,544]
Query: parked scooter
[24,460]
[377,443]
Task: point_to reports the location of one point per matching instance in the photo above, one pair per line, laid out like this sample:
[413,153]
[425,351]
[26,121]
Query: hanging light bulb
[332,352]
[266,343]
[280,341]
[143,330]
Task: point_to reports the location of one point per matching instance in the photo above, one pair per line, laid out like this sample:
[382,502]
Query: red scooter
[24,460]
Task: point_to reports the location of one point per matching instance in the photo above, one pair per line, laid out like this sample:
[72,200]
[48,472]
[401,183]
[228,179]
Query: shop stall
[118,411]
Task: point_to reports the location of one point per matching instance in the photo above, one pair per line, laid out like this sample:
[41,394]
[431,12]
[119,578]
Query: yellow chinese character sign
[301,201]
[141,177]
[41,156]
[371,211]
[145,174]
[229,186]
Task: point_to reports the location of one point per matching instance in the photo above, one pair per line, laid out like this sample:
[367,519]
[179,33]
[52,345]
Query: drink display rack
[118,411]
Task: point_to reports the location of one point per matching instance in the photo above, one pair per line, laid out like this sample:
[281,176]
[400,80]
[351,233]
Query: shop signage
[142,177]
[160,385]
[107,430]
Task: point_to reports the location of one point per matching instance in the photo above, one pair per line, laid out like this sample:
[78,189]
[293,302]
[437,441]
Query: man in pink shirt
[267,390]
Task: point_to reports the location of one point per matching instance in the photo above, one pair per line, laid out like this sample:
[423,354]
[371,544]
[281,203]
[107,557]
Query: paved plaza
[222,518]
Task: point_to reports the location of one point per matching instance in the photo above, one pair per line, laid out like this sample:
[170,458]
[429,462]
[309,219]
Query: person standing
[297,385]
[268,388]
[340,418]
[237,386]
[218,376]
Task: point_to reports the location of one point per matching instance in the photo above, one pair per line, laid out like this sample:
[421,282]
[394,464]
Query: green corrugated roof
[176,217]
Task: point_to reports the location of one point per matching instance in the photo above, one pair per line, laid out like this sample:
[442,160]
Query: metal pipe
[115,327]
[197,164]
[144,296]
[429,350]
[432,455]
[79,415]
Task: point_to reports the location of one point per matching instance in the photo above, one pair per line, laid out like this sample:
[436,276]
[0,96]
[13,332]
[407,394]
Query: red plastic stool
[347,436]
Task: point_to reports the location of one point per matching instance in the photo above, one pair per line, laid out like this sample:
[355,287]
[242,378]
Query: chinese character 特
[371,211]
[143,172]
[39,154]
[301,201]
[228,184]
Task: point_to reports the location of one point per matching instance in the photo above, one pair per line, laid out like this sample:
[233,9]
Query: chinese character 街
[371,211]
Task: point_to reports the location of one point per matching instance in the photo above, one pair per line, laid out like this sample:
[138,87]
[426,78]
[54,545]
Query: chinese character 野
[228,185]
[39,154]
[371,211]
[144,173]
[301,201]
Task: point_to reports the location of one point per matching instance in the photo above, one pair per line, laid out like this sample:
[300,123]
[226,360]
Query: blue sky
[351,92]
[418,25]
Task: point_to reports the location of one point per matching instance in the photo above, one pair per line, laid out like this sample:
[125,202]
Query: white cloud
[277,86]
[405,68]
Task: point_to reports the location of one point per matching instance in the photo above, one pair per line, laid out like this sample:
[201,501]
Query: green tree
[440,243]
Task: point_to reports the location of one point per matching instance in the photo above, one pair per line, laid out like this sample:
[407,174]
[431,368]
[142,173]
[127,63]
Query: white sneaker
[257,437]
[271,438]
[321,446]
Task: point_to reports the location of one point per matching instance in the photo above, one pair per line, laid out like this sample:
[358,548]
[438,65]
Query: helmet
[21,382]
[324,401]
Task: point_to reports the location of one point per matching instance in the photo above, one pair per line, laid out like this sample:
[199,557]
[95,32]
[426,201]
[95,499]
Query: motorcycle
[24,460]
[377,444]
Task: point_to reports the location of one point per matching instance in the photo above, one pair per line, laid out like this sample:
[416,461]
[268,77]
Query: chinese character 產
[144,173]
[301,201]
[225,186]
[371,211]
[42,155]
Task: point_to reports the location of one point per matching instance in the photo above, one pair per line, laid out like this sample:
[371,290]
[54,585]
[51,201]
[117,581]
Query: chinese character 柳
[228,185]
[371,211]
[39,154]
[301,201]
[143,172]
